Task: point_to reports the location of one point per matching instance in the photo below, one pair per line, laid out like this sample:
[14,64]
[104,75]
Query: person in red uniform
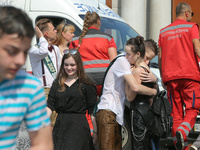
[97,50]
[179,50]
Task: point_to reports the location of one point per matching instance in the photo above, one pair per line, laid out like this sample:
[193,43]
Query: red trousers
[182,93]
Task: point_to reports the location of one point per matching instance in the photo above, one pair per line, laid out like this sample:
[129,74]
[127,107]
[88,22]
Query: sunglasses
[71,51]
[192,13]
[64,27]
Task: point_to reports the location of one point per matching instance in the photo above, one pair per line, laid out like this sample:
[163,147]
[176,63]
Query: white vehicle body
[73,11]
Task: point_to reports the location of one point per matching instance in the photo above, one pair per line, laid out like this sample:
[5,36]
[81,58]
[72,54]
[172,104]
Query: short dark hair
[137,45]
[150,43]
[62,75]
[15,21]
[180,8]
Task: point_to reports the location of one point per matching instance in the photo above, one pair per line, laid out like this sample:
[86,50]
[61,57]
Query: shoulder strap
[50,66]
[145,69]
[162,114]
[111,63]
[43,73]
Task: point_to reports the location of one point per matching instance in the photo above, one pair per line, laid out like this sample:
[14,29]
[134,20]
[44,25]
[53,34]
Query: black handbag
[163,120]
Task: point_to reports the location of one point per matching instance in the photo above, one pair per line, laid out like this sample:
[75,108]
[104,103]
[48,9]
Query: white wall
[147,17]
[160,16]
[134,12]
[116,6]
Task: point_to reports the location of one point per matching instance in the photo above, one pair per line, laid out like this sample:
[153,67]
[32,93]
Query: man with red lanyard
[45,58]
[179,51]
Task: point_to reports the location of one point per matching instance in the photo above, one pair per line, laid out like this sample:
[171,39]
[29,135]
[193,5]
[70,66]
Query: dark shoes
[180,140]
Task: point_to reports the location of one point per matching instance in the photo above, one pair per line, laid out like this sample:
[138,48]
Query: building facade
[147,17]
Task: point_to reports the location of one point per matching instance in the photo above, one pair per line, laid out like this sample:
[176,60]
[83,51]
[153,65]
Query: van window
[57,20]
[120,31]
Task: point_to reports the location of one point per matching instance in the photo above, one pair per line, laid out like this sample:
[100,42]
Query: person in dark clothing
[71,96]
[141,114]
[97,50]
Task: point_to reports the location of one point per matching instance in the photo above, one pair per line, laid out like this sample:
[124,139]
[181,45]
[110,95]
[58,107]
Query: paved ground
[23,141]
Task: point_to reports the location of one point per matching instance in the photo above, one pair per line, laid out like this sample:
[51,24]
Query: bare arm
[128,90]
[41,139]
[112,53]
[95,133]
[137,87]
[196,44]
[49,111]
[130,95]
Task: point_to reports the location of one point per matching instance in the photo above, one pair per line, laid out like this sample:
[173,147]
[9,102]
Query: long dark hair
[62,75]
[137,45]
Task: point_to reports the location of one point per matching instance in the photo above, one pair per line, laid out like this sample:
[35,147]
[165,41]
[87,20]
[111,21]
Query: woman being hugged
[71,95]
[141,114]
[110,110]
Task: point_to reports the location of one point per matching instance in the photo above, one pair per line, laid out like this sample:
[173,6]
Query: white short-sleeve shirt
[113,96]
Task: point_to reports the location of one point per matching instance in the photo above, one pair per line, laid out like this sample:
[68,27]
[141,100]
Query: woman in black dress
[141,113]
[71,95]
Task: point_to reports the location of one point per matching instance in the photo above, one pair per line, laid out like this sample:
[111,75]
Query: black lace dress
[71,130]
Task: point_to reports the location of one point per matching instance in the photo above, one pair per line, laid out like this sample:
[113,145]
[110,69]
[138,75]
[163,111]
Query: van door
[16,3]
[56,18]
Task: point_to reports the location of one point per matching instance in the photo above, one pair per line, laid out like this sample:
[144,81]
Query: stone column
[160,16]
[134,13]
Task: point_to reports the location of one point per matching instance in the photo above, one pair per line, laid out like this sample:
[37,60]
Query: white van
[73,12]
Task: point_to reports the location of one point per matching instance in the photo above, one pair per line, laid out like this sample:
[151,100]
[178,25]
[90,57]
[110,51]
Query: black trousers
[141,128]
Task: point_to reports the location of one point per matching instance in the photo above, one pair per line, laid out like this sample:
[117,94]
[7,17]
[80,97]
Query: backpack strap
[145,69]
[99,99]
[111,63]
[162,114]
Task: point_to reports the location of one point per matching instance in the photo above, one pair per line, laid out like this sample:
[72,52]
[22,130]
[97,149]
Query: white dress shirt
[36,54]
[113,96]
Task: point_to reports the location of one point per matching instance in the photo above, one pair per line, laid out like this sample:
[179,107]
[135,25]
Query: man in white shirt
[45,58]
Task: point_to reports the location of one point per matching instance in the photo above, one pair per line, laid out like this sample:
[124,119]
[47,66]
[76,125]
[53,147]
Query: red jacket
[94,49]
[179,60]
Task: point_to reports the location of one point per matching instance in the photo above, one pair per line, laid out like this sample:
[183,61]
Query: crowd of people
[57,102]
